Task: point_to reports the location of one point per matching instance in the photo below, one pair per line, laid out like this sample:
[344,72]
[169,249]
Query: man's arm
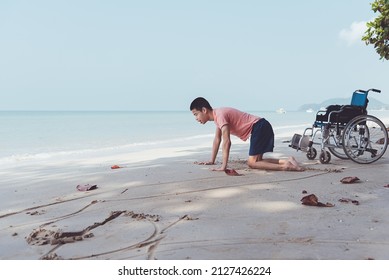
[225,131]
[220,134]
[216,144]
[215,148]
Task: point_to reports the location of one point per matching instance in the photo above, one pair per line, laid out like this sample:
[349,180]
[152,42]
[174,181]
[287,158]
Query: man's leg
[257,162]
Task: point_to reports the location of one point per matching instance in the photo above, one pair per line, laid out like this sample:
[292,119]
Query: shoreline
[41,137]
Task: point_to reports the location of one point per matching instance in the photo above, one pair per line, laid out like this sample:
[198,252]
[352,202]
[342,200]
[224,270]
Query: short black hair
[199,103]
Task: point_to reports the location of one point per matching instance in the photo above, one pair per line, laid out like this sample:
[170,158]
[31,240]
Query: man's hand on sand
[204,162]
[228,171]
[218,169]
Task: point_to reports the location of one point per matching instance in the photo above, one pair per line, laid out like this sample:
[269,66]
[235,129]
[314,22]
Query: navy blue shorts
[262,138]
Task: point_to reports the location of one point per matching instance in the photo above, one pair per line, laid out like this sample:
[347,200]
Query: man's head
[199,103]
[201,109]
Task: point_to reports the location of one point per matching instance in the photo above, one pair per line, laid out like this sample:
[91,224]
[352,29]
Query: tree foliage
[377,33]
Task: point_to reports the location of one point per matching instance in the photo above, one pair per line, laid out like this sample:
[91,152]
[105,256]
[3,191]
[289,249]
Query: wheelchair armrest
[334,113]
[344,107]
[330,111]
[321,112]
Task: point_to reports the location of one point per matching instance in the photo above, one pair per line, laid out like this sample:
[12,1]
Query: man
[243,125]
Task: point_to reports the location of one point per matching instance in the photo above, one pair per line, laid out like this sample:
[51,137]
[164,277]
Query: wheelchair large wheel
[338,152]
[365,139]
[335,145]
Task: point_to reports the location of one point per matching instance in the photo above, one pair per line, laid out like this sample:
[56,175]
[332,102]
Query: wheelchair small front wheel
[311,153]
[325,157]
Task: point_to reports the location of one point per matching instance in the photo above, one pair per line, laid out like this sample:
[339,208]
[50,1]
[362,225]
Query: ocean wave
[126,148]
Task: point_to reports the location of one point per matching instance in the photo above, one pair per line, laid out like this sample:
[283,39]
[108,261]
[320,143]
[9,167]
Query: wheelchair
[345,131]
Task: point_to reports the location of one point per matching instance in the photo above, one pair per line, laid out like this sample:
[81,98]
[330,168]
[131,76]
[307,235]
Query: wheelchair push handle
[372,89]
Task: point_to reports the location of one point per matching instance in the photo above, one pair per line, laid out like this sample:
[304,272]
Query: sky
[160,55]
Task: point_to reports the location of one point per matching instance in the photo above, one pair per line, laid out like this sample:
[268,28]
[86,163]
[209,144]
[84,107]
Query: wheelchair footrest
[300,142]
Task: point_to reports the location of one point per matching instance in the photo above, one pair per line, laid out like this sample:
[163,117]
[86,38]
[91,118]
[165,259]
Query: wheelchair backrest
[359,99]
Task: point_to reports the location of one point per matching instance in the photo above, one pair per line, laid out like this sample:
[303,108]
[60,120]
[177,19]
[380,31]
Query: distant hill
[374,104]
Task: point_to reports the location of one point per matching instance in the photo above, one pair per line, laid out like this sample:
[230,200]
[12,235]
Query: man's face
[201,116]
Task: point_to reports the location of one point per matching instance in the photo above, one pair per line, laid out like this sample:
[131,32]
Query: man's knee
[251,162]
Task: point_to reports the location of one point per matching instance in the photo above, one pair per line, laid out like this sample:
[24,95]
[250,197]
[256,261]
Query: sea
[46,134]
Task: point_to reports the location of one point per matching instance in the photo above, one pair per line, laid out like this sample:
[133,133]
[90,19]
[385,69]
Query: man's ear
[204,110]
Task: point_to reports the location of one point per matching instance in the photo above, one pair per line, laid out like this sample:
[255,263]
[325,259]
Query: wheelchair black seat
[340,114]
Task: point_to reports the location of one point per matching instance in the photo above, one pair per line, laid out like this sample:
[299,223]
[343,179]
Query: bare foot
[293,161]
[289,166]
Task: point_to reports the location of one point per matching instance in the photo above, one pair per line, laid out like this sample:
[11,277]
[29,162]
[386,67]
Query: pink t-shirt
[240,122]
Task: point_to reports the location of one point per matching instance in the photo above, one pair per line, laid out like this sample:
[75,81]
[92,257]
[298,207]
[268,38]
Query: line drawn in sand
[59,238]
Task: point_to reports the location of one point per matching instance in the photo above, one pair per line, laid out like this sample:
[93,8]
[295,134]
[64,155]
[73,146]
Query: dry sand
[160,205]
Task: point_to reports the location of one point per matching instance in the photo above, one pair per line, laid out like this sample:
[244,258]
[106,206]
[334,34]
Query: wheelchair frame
[345,131]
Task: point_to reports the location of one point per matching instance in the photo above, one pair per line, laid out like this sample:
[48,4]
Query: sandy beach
[160,205]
